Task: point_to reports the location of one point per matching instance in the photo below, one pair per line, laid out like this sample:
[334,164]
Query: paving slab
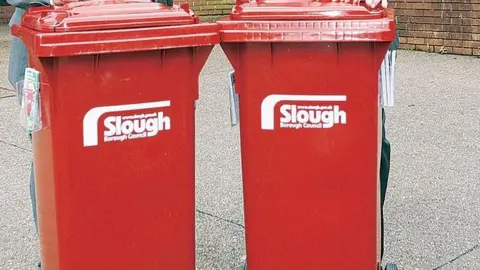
[19,244]
[11,131]
[219,177]
[4,58]
[217,61]
[6,93]
[5,33]
[220,244]
[469,260]
[433,197]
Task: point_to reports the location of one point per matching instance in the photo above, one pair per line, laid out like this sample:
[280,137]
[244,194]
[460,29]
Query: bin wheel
[391,266]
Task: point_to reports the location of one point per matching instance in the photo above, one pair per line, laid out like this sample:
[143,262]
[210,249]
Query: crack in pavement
[16,146]
[7,96]
[220,218]
[6,89]
[458,257]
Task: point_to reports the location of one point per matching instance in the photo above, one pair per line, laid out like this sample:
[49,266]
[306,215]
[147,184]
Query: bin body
[114,162]
[309,110]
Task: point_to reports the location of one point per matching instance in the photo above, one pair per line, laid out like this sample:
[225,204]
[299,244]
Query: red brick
[456,21]
[398,5]
[470,29]
[471,44]
[453,43]
[6,13]
[432,41]
[432,13]
[466,51]
[416,40]
[405,19]
[421,34]
[424,48]
[444,20]
[471,14]
[401,12]
[433,27]
[452,14]
[407,46]
[422,20]
[413,12]
[401,26]
[441,27]
[441,6]
[417,27]
[421,6]
[467,21]
[202,12]
[462,6]
[440,35]
[462,36]
[453,28]
[404,33]
[7,9]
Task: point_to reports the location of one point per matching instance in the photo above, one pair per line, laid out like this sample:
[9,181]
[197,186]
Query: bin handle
[233,97]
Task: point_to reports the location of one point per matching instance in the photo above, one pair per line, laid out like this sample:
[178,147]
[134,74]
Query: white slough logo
[303,116]
[125,127]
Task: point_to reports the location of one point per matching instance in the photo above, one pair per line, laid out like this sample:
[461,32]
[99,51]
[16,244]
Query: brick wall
[211,7]
[5,14]
[445,26]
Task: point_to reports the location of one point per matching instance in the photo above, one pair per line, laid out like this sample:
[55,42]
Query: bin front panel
[309,123]
[115,166]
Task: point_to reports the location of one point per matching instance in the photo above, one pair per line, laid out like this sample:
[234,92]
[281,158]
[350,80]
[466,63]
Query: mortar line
[458,257]
[16,146]
[220,218]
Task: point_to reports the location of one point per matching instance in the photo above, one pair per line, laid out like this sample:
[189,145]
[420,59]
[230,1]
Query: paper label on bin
[121,127]
[322,111]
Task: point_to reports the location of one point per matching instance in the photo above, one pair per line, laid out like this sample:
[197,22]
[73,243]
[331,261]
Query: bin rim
[306,21]
[107,14]
[116,41]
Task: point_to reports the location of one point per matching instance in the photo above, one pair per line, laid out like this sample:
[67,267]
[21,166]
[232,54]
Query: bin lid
[106,14]
[306,21]
[112,26]
[303,10]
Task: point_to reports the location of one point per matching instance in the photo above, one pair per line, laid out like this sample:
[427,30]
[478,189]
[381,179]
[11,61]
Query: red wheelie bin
[114,153]
[306,74]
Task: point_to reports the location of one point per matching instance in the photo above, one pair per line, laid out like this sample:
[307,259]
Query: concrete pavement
[433,200]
